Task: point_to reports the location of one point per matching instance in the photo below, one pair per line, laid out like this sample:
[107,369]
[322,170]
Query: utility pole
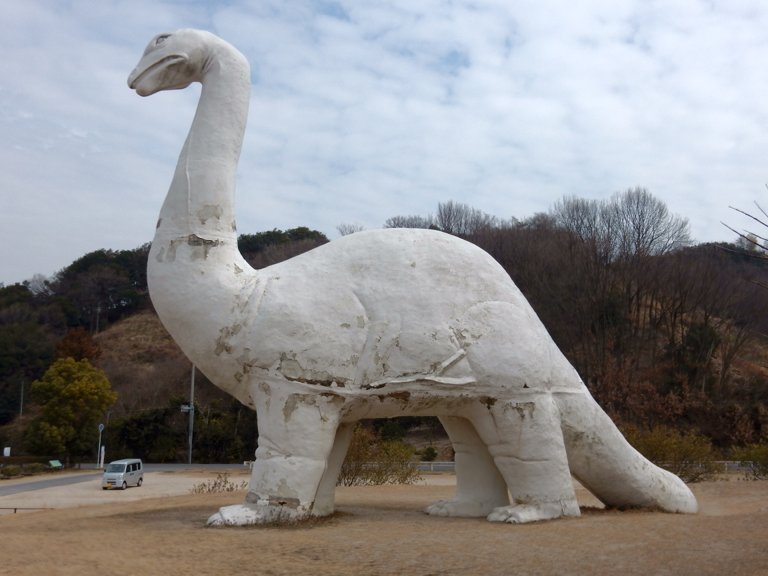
[191,412]
[190,408]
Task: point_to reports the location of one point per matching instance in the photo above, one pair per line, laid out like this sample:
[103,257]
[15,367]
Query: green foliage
[29,327]
[372,461]
[73,397]
[687,455]
[428,454]
[267,248]
[14,295]
[155,435]
[102,286]
[21,467]
[755,460]
[34,468]
[227,434]
[251,243]
[397,428]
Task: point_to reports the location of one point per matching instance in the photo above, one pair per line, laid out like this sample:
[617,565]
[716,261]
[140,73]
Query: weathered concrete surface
[378,323]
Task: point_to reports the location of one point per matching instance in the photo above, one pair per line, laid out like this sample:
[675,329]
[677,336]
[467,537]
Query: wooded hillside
[663,331]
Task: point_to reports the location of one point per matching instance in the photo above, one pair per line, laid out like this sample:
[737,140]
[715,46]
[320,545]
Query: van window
[116,468]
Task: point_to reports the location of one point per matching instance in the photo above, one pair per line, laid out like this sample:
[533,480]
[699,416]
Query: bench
[55,465]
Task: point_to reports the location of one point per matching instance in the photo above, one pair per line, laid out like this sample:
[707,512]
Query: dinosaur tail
[608,466]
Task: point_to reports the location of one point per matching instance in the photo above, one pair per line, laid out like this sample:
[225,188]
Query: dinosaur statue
[376,324]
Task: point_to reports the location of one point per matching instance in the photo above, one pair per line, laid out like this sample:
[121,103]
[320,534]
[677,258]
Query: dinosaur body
[375,324]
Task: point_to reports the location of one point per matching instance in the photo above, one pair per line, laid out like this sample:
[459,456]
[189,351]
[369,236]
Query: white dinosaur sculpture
[376,324]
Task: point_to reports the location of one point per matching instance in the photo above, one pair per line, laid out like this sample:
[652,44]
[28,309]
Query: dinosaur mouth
[138,75]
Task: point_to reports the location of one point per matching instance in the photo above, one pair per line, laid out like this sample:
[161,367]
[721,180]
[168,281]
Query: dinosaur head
[171,61]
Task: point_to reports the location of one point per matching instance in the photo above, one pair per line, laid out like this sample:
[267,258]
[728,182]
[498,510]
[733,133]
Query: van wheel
[125,485]
[140,482]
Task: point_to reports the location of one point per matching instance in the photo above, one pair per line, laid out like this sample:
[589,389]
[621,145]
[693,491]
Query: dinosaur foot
[258,513]
[460,508]
[523,513]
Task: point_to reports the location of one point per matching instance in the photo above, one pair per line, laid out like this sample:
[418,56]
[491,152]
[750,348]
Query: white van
[123,473]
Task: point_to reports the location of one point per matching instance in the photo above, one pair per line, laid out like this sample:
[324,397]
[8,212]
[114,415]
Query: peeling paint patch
[403,396]
[196,241]
[488,401]
[209,211]
[292,370]
[524,408]
[225,334]
[290,406]
[281,501]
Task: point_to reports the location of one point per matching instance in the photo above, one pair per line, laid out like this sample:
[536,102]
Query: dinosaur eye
[161,39]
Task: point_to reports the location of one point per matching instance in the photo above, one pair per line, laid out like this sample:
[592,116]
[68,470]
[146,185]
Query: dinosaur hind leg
[326,492]
[480,487]
[525,440]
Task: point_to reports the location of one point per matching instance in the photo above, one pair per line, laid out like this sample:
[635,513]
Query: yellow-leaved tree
[73,396]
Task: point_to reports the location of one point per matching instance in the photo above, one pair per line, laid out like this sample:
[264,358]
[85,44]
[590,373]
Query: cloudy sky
[364,109]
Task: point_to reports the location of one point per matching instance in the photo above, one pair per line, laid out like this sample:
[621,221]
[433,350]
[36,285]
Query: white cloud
[365,110]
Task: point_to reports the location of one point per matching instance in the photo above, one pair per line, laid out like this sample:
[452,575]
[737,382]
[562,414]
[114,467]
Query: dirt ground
[159,529]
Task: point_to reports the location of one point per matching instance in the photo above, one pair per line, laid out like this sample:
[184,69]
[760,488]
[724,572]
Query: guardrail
[437,467]
[727,466]
[16,508]
[450,467]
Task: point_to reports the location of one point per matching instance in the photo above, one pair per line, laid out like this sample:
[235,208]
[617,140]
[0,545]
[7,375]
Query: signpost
[100,450]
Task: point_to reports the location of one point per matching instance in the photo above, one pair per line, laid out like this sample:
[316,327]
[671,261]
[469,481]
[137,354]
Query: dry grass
[382,531]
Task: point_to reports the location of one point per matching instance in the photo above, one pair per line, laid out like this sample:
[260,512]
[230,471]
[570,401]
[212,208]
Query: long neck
[195,271]
[200,201]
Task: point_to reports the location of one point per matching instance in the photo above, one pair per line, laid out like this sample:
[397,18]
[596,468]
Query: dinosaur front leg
[480,487]
[296,437]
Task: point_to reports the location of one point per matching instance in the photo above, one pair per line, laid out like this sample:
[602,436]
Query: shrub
[754,459]
[10,470]
[221,484]
[687,455]
[34,468]
[428,454]
[372,461]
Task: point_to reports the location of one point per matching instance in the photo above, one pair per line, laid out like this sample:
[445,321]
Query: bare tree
[410,222]
[345,229]
[645,225]
[631,224]
[39,284]
[748,240]
[461,219]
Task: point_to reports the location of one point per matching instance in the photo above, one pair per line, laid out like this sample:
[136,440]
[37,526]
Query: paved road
[51,482]
[64,479]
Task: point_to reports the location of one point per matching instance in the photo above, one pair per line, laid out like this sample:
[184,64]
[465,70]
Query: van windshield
[116,468]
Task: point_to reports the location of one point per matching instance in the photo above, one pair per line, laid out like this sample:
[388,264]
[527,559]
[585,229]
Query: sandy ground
[160,529]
